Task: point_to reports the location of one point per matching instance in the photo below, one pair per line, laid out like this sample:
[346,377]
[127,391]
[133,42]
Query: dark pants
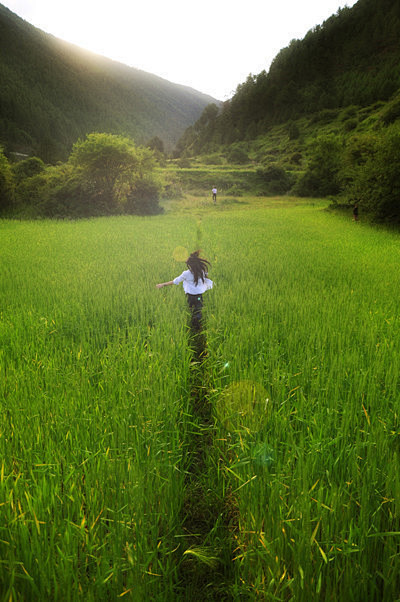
[195,305]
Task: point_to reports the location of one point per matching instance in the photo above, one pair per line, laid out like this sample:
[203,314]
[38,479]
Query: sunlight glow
[210,46]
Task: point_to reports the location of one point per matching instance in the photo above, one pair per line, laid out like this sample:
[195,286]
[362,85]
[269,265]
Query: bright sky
[212,45]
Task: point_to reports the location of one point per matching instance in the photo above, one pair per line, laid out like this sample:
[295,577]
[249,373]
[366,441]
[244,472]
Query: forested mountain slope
[353,58]
[52,93]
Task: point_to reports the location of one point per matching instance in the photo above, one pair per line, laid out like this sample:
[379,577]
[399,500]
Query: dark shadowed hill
[52,93]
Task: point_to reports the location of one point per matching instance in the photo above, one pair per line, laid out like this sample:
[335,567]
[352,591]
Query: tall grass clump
[94,390]
[304,338]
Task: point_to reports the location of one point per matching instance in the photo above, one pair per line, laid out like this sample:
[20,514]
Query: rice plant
[106,462]
[305,343]
[94,397]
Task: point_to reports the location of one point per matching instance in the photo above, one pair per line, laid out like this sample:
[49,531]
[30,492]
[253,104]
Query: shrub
[184,163]
[273,180]
[234,191]
[376,178]
[105,175]
[293,131]
[213,159]
[324,116]
[58,191]
[237,155]
[143,197]
[350,124]
[296,158]
[359,149]
[349,112]
[322,176]
[27,168]
[7,188]
[391,113]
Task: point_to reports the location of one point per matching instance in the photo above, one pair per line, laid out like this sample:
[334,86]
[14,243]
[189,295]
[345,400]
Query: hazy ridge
[53,92]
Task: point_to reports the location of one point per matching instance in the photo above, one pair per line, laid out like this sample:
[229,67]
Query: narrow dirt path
[206,569]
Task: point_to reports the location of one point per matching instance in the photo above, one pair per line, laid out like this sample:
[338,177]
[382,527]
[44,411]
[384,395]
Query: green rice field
[265,468]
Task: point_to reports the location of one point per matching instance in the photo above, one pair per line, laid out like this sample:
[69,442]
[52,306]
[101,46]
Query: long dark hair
[197,266]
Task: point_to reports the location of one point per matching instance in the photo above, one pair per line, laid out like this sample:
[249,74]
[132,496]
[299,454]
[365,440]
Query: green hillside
[353,58]
[52,93]
[323,122]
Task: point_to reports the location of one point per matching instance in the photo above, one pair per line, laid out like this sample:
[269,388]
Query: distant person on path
[195,282]
[355,212]
[214,193]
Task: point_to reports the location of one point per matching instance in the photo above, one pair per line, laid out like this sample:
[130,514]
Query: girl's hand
[164,284]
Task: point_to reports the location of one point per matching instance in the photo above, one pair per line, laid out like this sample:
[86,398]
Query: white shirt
[190,287]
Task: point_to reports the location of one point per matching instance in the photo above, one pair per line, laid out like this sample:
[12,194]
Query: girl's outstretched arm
[164,284]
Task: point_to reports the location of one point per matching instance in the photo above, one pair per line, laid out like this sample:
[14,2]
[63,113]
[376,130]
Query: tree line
[351,59]
[105,174]
[363,169]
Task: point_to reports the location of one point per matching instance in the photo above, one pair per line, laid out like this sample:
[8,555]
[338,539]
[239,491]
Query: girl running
[195,282]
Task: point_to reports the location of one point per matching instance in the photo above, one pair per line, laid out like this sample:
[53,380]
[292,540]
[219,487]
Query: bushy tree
[200,136]
[58,191]
[208,115]
[156,144]
[110,165]
[104,175]
[322,176]
[273,179]
[27,168]
[391,112]
[238,155]
[359,149]
[143,197]
[31,193]
[375,181]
